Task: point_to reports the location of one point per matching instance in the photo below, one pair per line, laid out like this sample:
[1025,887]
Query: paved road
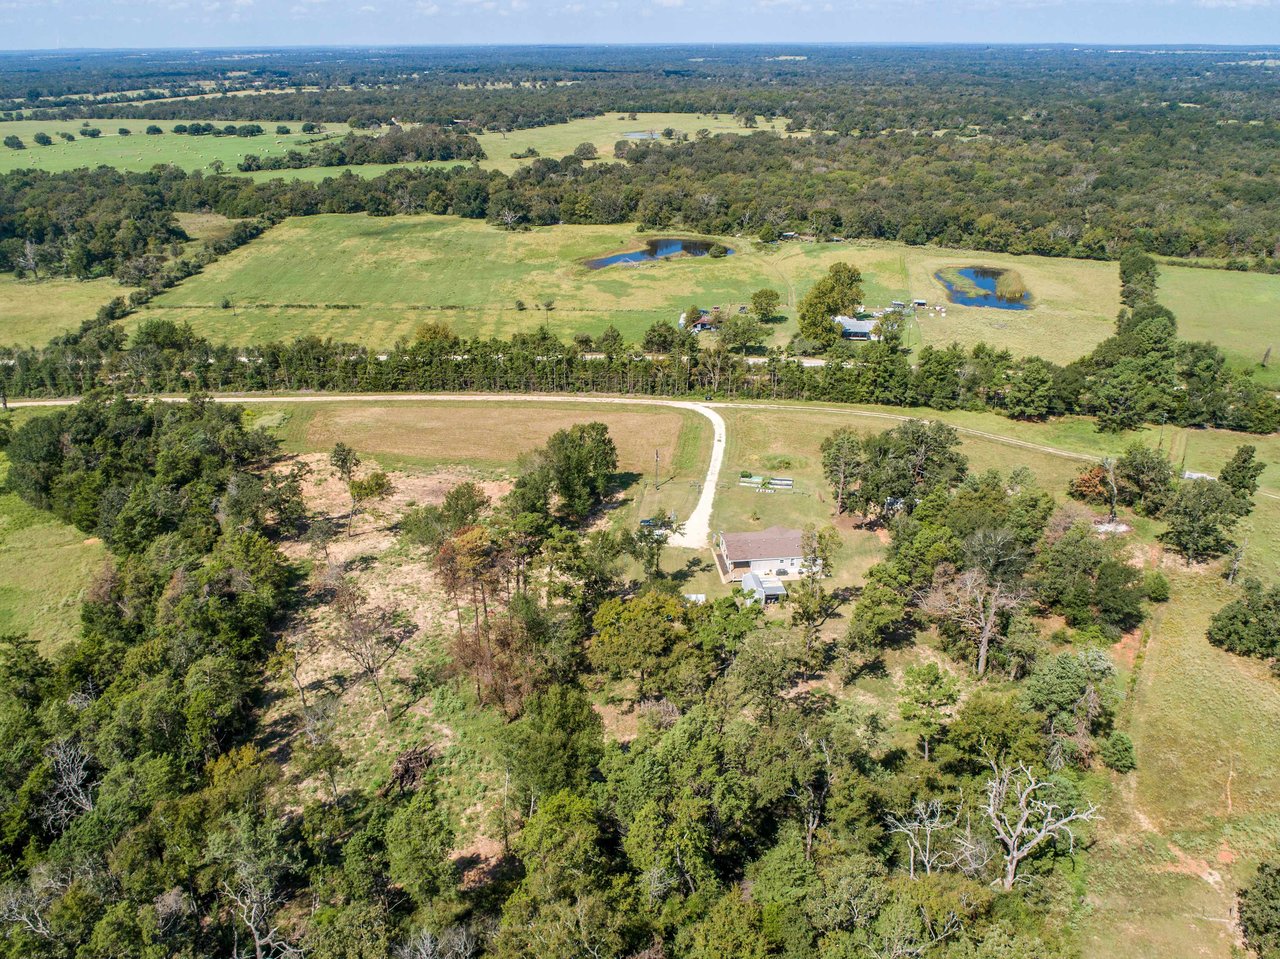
[697,531]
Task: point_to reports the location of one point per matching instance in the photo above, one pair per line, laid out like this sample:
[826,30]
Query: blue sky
[44,24]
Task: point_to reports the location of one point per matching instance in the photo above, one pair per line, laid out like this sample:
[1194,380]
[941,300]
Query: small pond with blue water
[981,286]
[658,249]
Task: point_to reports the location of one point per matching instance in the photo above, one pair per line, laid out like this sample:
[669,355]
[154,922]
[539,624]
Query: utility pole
[657,480]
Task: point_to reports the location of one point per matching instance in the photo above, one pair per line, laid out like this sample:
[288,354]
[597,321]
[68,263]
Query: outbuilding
[764,589]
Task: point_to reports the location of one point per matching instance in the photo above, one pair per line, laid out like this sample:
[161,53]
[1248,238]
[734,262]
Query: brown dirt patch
[479,860]
[621,723]
[1125,652]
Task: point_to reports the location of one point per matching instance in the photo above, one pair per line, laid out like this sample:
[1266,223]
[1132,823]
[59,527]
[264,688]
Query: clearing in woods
[372,280]
[45,568]
[1240,312]
[491,436]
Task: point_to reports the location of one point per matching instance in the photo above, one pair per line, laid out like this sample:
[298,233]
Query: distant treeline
[1056,152]
[397,146]
[226,130]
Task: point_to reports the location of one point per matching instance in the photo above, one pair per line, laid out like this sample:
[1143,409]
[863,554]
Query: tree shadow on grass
[689,570]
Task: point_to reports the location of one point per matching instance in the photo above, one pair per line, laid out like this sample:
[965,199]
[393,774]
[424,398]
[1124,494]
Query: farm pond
[658,249]
[985,286]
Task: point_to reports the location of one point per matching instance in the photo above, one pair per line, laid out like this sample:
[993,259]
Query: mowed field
[1240,312]
[557,140]
[138,151]
[374,279]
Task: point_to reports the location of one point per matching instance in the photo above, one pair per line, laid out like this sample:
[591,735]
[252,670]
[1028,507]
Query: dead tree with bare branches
[71,784]
[368,635]
[25,905]
[975,605]
[1023,820]
[926,830]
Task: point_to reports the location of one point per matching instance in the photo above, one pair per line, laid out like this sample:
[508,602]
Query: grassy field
[34,311]
[399,271]
[139,151]
[45,567]
[1184,831]
[1238,311]
[555,140]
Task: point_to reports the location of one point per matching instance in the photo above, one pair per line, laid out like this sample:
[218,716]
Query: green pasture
[375,279]
[45,568]
[1240,312]
[34,311]
[1186,829]
[138,151]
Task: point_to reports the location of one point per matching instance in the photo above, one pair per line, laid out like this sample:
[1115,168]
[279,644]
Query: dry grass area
[490,434]
[496,434]
[391,576]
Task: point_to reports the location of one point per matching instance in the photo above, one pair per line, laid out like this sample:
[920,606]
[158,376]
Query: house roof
[851,325]
[776,542]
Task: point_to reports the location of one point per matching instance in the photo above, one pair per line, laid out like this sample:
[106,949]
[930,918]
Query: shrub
[1260,911]
[1156,587]
[1118,753]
